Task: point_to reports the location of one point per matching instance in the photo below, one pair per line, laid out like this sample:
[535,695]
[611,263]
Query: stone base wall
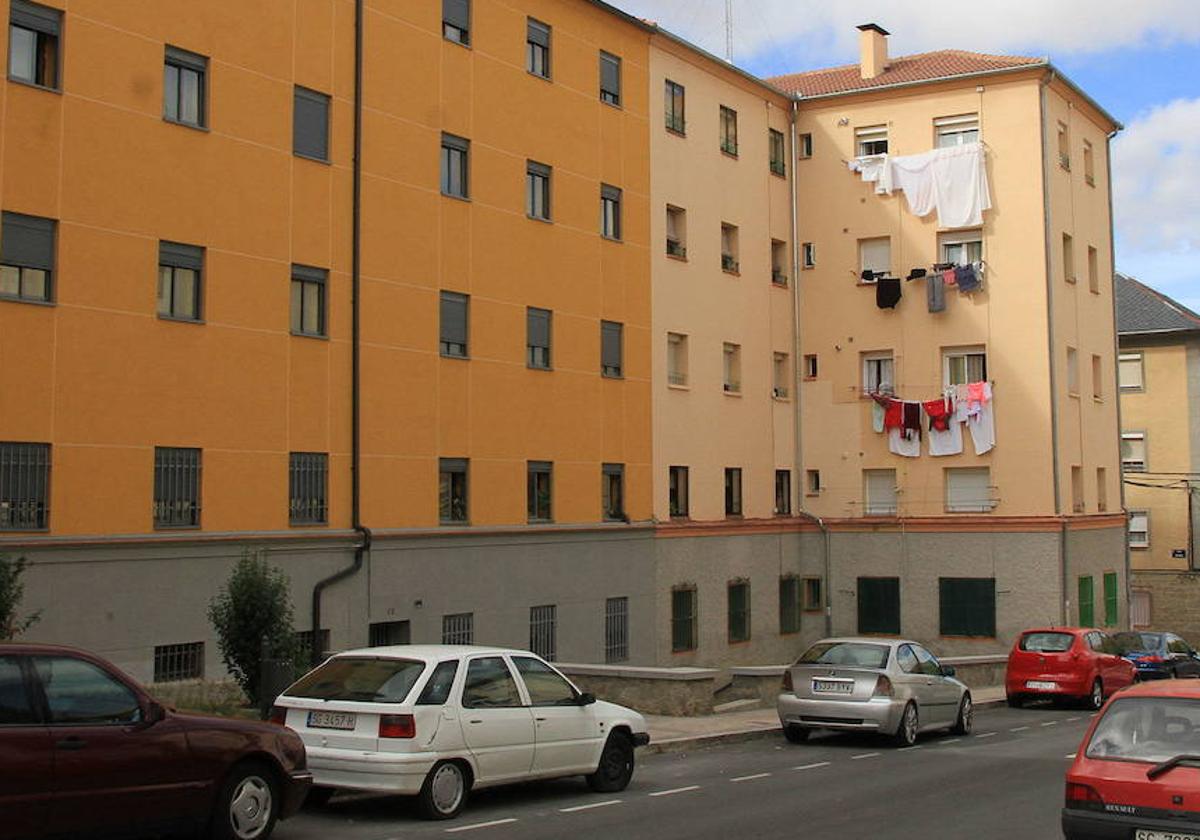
[1174,601]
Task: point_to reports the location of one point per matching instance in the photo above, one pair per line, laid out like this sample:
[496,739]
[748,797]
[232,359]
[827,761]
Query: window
[612,492]
[960,367]
[805,149]
[732,354]
[545,686]
[537,48]
[879,492]
[733,491]
[24,486]
[1068,256]
[456,154]
[1097,378]
[875,258]
[729,248]
[308,300]
[967,606]
[780,376]
[674,102]
[1087,599]
[968,490]
[1078,503]
[176,487]
[184,94]
[180,274]
[308,478]
[779,262]
[1064,147]
[956,131]
[1139,529]
[388,633]
[778,152]
[611,335]
[456,21]
[739,611]
[783,492]
[729,139]
[683,619]
[1089,164]
[454,314]
[26,256]
[1129,372]
[452,490]
[538,491]
[33,32]
[538,323]
[810,366]
[310,124]
[1101,489]
[543,631]
[179,662]
[789,604]
[871,140]
[311,645]
[676,232]
[961,247]
[610,79]
[15,706]
[616,630]
[80,693]
[1093,269]
[537,191]
[1111,601]
[808,255]
[812,482]
[812,594]
[678,491]
[878,373]
[610,212]
[458,629]
[677,359]
[1072,371]
[879,605]
[1139,609]
[490,685]
[1133,451]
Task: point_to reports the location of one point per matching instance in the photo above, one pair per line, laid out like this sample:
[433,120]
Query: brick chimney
[872,48]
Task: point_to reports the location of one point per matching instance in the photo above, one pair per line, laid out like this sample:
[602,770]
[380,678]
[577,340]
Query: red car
[84,751]
[1068,663]
[1137,772]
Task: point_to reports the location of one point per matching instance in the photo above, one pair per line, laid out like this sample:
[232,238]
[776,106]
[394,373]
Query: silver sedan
[891,686]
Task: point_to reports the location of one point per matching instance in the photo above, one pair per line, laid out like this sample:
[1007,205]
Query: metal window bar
[304,644]
[683,619]
[307,481]
[24,486]
[173,663]
[458,629]
[176,487]
[543,623]
[616,630]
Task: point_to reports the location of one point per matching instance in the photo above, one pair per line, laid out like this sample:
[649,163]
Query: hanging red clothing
[939,415]
[893,414]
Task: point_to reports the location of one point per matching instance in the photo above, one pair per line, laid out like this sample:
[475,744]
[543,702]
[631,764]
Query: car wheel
[966,716]
[1015,701]
[444,794]
[616,765]
[795,734]
[906,732]
[1096,699]
[248,804]
[318,797]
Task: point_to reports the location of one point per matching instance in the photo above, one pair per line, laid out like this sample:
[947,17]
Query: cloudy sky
[1140,60]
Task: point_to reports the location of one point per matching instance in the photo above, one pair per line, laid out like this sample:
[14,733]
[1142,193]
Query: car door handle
[71,744]
[475,721]
[540,720]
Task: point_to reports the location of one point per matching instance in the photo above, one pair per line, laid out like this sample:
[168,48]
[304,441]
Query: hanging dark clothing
[935,292]
[887,292]
[912,420]
[966,278]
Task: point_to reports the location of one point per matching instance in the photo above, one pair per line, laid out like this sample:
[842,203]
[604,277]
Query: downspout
[364,541]
[798,358]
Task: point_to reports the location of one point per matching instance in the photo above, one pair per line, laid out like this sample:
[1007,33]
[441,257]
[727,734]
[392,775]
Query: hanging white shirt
[949,442]
[982,423]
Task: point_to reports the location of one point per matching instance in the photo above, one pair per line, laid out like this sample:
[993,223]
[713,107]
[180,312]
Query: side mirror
[586,699]
[155,713]
[948,671]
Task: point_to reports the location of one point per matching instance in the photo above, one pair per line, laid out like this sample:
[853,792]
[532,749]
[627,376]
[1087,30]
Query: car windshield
[363,679]
[1129,642]
[854,654]
[1047,642]
[1150,729]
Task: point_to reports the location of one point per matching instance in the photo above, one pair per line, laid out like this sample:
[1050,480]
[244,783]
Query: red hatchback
[1072,663]
[1137,773]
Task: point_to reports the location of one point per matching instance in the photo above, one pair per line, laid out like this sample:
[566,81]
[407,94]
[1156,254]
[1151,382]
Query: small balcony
[729,263]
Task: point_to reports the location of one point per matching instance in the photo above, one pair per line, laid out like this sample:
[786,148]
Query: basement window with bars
[739,611]
[173,663]
[543,631]
[683,619]
[616,630]
[24,486]
[387,633]
[458,629]
[308,478]
[176,487]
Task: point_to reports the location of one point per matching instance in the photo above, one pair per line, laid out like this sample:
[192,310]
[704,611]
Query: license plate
[331,720]
[833,686]
[1144,834]
[1041,685]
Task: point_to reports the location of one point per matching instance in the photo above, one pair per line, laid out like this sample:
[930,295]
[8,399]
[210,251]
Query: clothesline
[967,404]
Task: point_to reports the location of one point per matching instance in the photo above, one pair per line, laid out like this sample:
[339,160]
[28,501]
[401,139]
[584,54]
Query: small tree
[252,615]
[11,592]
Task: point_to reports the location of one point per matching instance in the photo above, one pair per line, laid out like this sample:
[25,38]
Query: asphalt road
[1003,781]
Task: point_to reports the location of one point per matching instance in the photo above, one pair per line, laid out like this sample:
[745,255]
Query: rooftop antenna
[729,31]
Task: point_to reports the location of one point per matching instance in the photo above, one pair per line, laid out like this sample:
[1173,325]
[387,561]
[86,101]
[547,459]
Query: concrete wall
[1174,601]
[1096,553]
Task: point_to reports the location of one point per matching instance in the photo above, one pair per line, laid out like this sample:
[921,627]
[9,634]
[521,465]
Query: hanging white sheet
[952,181]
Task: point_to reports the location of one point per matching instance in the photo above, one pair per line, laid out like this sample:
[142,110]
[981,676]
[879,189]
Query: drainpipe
[364,533]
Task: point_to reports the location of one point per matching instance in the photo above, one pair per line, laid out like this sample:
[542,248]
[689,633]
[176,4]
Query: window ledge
[736,517]
[539,76]
[455,523]
[466,45]
[539,521]
[31,301]
[1073,394]
[180,320]
[676,132]
[614,105]
[617,376]
[678,387]
[308,524]
[465,198]
[737,394]
[677,258]
[543,368]
[729,154]
[300,334]
[194,126]
[24,530]
[1098,400]
[737,642]
[158,527]
[539,219]
[780,175]
[454,356]
[731,272]
[808,267]
[34,85]
[614,239]
[326,161]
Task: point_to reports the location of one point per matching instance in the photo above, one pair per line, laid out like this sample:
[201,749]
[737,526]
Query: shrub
[11,592]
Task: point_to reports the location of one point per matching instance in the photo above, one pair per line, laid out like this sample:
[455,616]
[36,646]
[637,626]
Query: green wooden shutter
[878,605]
[1110,599]
[1087,612]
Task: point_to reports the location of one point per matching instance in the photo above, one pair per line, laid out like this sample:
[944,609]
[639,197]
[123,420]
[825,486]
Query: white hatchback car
[437,721]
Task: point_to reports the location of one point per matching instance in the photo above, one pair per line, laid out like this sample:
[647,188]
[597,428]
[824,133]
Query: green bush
[11,592]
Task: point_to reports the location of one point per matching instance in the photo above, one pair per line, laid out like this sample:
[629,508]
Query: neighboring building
[1159,369]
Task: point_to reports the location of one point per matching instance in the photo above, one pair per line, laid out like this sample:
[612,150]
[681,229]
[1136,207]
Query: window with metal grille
[308,300]
[789,604]
[452,490]
[33,32]
[456,21]
[610,78]
[180,280]
[683,618]
[311,645]
[537,190]
[739,611]
[543,631]
[612,492]
[616,630]
[537,48]
[26,256]
[454,324]
[783,492]
[967,606]
[176,487]
[538,495]
[1133,451]
[610,349]
[610,212]
[778,152]
[310,124]
[308,478]
[1111,608]
[184,74]
[733,491]
[179,662]
[678,492]
[24,486]
[458,629]
[879,605]
[386,633]
[675,102]
[456,159]
[537,337]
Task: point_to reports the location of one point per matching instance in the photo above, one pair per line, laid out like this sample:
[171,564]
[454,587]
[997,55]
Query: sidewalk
[675,734]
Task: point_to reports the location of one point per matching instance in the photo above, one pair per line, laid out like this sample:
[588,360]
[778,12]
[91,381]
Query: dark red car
[85,752]
[1137,772]
[1067,663]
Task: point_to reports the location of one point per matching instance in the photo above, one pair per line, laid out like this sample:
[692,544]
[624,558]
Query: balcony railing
[676,378]
[733,387]
[728,263]
[675,248]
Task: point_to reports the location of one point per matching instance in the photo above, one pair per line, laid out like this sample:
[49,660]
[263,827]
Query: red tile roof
[907,68]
